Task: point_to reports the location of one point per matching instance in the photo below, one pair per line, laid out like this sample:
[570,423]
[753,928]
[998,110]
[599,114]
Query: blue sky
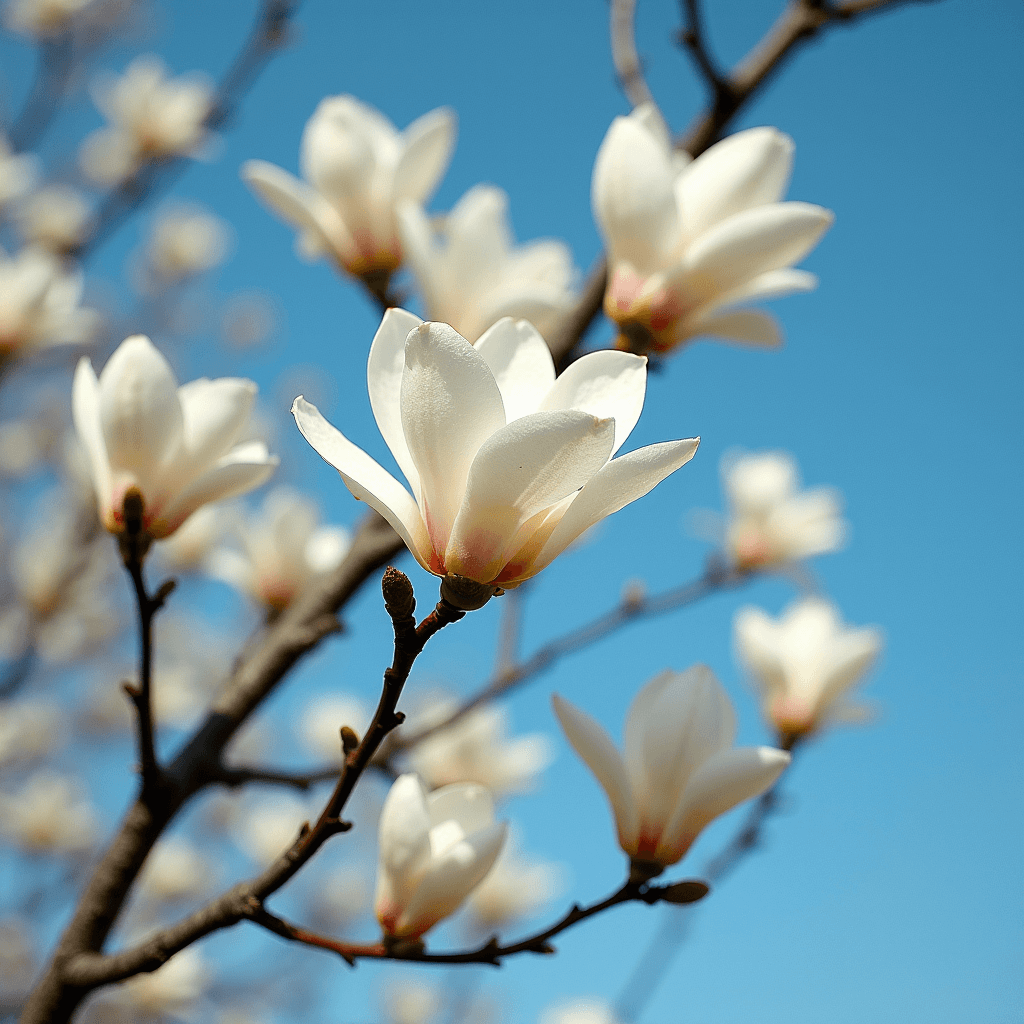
[890,889]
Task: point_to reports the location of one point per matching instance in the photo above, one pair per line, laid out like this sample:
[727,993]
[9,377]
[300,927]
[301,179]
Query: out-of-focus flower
[322,719]
[175,870]
[18,171]
[283,548]
[471,273]
[434,849]
[39,19]
[690,240]
[56,218]
[679,770]
[411,1002]
[508,466]
[804,663]
[17,962]
[515,888]
[475,749]
[176,446]
[579,1011]
[28,729]
[340,897]
[152,117]
[170,990]
[39,304]
[50,814]
[267,829]
[249,319]
[770,520]
[187,549]
[358,167]
[183,244]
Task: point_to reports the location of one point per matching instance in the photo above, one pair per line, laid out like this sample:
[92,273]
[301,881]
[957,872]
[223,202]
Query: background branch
[624,55]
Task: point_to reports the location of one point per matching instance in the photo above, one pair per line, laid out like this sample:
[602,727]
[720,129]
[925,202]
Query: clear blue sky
[891,890]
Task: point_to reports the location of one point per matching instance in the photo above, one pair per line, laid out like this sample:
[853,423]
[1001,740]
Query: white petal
[420,255]
[633,198]
[604,384]
[85,404]
[429,142]
[338,150]
[214,412]
[598,752]
[450,406]
[479,239]
[366,480]
[449,879]
[623,480]
[754,633]
[521,363]
[717,786]
[404,843]
[384,371]
[468,803]
[750,168]
[746,326]
[753,242]
[540,303]
[773,284]
[520,470]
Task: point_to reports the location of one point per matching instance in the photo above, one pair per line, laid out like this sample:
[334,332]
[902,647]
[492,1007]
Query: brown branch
[631,608]
[624,55]
[235,776]
[694,37]
[53,71]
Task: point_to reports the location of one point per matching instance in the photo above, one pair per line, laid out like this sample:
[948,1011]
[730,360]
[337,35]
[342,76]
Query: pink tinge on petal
[792,714]
[623,290]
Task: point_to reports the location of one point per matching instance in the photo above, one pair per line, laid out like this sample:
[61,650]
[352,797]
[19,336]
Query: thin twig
[694,37]
[53,70]
[624,55]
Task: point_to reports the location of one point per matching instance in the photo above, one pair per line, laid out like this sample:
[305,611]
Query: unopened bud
[465,594]
[349,739]
[689,891]
[634,593]
[399,598]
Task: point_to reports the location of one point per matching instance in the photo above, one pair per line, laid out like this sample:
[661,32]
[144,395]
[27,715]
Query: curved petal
[339,146]
[540,303]
[746,326]
[754,634]
[604,384]
[214,414]
[633,198]
[404,844]
[750,168]
[520,470]
[595,747]
[479,239]
[621,481]
[384,370]
[467,803]
[429,142]
[85,409]
[367,480]
[773,284]
[521,363]
[450,878]
[450,406]
[420,255]
[722,782]
[753,242]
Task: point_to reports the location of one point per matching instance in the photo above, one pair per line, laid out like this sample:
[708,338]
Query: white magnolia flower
[358,167]
[690,240]
[804,663]
[189,547]
[476,749]
[39,19]
[182,244]
[411,1002]
[471,273]
[679,770]
[323,718]
[28,729]
[507,465]
[173,989]
[56,218]
[434,849]
[770,520]
[18,172]
[515,888]
[175,870]
[270,827]
[283,548]
[176,446]
[579,1011]
[39,304]
[152,117]
[50,814]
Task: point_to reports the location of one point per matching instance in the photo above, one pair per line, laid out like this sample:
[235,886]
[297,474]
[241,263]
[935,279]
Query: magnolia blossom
[175,445]
[18,172]
[471,273]
[152,117]
[435,848]
[679,770]
[476,749]
[804,663]
[771,521]
[580,1011]
[28,729]
[175,870]
[516,887]
[182,244]
[690,240]
[50,814]
[323,717]
[270,827]
[282,549]
[190,546]
[171,991]
[507,465]
[39,304]
[358,167]
[39,19]
[56,218]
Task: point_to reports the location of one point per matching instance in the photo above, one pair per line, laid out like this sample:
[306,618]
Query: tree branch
[624,55]
[55,62]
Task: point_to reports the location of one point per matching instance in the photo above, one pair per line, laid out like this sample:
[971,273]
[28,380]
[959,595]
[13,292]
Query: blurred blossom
[266,829]
[804,663]
[39,304]
[28,729]
[20,450]
[579,1011]
[322,719]
[679,770]
[508,465]
[282,549]
[171,990]
[175,870]
[358,167]
[405,1001]
[515,888]
[475,749]
[49,814]
[435,848]
[152,117]
[249,319]
[183,244]
[17,962]
[770,521]
[187,549]
[175,445]
[339,897]
[18,171]
[688,241]
[471,273]
[57,218]
[38,19]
